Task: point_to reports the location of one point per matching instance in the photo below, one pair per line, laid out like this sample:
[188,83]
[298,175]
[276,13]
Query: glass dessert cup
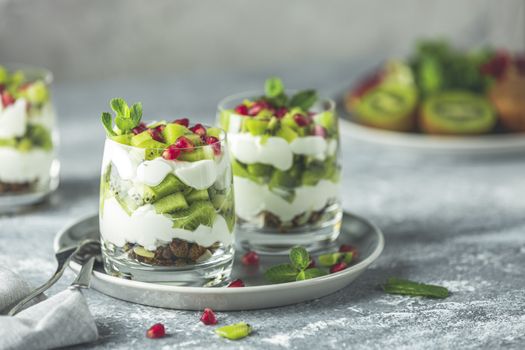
[28,137]
[286,176]
[167,221]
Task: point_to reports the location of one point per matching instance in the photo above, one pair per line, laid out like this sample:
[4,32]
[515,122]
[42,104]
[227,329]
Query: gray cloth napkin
[62,320]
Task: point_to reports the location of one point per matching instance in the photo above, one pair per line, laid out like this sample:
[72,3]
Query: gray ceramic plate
[258,294]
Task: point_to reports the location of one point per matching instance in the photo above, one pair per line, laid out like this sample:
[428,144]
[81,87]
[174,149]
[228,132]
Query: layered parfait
[27,118]
[166,199]
[285,154]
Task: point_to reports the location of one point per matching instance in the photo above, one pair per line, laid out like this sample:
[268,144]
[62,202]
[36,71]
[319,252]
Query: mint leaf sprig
[274,93]
[406,287]
[126,118]
[296,271]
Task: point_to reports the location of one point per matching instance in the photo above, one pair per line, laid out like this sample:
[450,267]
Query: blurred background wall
[94,39]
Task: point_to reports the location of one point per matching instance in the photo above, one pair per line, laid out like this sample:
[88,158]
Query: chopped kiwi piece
[170,184]
[195,139]
[138,139]
[143,252]
[24,145]
[197,154]
[255,126]
[239,169]
[258,169]
[215,132]
[199,213]
[287,133]
[127,204]
[8,142]
[124,139]
[282,179]
[171,203]
[153,148]
[37,93]
[197,195]
[173,131]
[327,120]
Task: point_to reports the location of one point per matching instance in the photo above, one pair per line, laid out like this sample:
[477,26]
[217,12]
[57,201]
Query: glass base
[13,202]
[209,273]
[271,241]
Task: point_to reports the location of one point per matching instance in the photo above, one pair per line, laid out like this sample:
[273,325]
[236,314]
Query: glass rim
[222,140]
[255,93]
[39,73]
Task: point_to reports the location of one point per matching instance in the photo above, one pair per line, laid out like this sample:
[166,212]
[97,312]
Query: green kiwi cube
[197,195]
[170,203]
[138,139]
[173,131]
[169,185]
[256,127]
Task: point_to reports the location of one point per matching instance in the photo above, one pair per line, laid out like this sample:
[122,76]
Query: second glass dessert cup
[166,214]
[286,166]
[28,137]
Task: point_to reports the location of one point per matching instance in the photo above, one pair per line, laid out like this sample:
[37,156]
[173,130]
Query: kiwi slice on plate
[457,113]
[387,107]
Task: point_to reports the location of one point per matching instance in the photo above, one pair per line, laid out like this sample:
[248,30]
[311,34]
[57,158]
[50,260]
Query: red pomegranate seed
[347,248]
[208,317]
[7,99]
[183,121]
[301,120]
[236,284]
[319,131]
[171,153]
[156,331]
[215,144]
[198,129]
[250,258]
[241,109]
[184,144]
[139,128]
[257,107]
[338,267]
[156,135]
[311,264]
[497,65]
[281,112]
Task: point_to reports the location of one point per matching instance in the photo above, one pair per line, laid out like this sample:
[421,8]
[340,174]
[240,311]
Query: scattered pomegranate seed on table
[183,121]
[236,284]
[208,317]
[184,144]
[250,258]
[241,109]
[338,267]
[156,331]
[198,129]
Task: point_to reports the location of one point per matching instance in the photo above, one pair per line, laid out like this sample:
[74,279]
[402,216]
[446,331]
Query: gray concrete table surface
[449,220]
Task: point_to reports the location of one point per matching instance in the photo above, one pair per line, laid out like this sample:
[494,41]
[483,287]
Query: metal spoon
[83,251]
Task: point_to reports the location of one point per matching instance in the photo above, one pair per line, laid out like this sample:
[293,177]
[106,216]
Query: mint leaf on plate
[300,258]
[281,273]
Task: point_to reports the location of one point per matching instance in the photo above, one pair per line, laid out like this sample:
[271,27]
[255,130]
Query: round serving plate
[469,145]
[257,294]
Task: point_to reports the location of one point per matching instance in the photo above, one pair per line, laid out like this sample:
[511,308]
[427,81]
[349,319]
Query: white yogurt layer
[13,119]
[151,230]
[276,151]
[251,199]
[18,167]
[131,165]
